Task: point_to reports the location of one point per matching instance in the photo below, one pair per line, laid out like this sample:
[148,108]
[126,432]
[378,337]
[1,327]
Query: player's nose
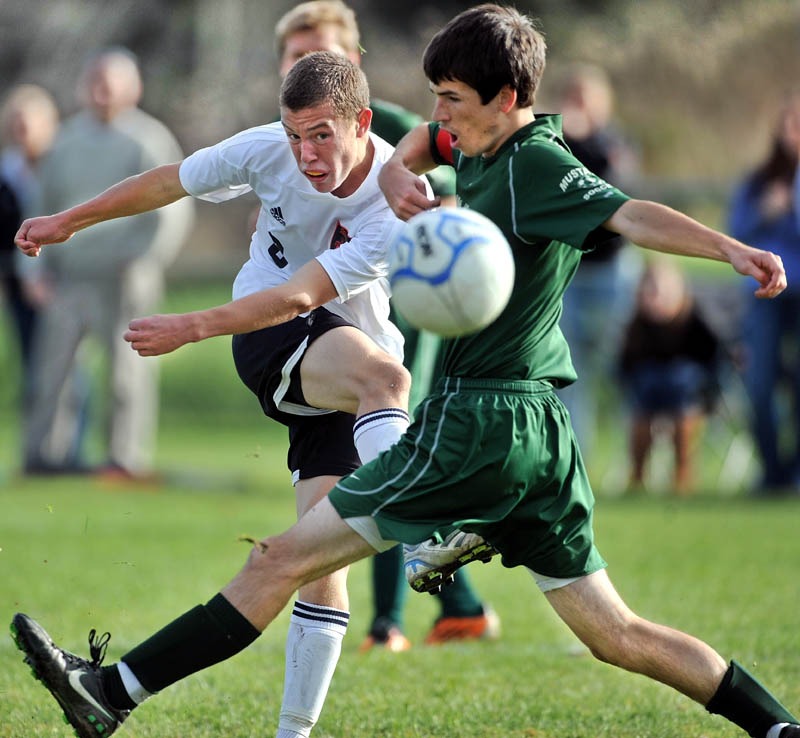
[439,113]
[308,151]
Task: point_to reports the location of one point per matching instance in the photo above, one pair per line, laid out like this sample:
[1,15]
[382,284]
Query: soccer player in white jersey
[312,336]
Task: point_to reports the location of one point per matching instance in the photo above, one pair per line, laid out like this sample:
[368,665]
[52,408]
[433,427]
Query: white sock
[312,650]
[376,431]
[132,685]
[775,730]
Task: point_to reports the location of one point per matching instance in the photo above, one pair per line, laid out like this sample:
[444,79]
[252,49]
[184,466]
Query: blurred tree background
[697,81]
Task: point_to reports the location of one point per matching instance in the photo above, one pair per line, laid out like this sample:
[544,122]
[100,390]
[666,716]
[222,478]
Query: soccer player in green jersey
[491,449]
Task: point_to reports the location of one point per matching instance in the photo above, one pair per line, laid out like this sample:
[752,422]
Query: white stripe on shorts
[549,583]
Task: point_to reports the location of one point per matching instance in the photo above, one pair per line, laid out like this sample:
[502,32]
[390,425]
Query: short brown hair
[325,77]
[311,15]
[488,47]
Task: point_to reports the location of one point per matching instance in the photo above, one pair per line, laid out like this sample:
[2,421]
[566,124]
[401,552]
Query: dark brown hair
[487,47]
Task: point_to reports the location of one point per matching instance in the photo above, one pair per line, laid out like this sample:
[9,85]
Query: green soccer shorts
[497,458]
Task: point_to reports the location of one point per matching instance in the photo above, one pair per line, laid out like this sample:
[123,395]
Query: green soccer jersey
[550,208]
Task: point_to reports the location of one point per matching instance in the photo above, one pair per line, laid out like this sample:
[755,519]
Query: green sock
[742,699]
[204,636]
[389,586]
[458,599]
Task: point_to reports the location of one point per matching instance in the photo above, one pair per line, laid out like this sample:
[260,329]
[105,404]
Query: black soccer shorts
[268,362]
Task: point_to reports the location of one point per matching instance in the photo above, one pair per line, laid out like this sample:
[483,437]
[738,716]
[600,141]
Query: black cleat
[790,731]
[75,683]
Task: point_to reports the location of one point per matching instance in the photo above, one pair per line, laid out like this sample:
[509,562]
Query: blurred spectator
[330,25]
[764,214]
[598,301]
[668,364]
[29,120]
[92,288]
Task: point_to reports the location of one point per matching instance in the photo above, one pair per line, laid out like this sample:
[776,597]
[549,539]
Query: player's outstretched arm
[308,288]
[660,228]
[138,194]
[402,188]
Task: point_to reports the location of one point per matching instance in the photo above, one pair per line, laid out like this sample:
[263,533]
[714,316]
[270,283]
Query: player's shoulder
[540,147]
[266,135]
[542,138]
[383,149]
[258,145]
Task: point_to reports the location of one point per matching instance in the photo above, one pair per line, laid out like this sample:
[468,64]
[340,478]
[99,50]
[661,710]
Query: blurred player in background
[93,289]
[330,25]
[492,449]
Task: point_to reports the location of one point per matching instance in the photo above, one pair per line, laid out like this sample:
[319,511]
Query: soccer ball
[451,271]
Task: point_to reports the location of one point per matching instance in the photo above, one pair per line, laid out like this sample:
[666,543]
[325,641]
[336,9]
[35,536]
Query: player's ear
[364,120]
[507,98]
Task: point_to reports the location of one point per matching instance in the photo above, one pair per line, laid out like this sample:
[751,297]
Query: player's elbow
[302,302]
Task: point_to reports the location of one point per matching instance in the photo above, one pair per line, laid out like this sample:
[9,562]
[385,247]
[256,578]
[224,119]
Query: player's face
[300,43]
[332,153]
[476,129]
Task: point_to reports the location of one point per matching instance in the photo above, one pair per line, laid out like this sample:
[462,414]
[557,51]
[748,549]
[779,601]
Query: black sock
[200,638]
[742,699]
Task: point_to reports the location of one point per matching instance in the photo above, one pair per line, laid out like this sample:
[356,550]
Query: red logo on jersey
[340,236]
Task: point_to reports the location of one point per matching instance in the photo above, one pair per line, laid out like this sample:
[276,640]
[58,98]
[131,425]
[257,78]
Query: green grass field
[75,555]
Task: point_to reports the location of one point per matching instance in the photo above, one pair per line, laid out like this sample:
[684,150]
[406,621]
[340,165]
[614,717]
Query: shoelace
[97,647]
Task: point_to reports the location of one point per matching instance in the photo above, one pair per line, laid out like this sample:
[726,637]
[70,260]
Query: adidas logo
[278,215]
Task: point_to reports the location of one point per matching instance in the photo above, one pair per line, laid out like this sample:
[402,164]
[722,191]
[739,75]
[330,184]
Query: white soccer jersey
[349,236]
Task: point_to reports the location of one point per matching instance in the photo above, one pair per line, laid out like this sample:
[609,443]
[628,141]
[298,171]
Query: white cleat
[429,565]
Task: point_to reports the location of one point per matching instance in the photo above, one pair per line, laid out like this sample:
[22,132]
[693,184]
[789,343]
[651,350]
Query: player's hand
[159,334]
[404,191]
[764,266]
[36,232]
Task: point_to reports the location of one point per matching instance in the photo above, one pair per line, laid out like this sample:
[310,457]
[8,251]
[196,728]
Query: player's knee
[272,559]
[389,379]
[616,645]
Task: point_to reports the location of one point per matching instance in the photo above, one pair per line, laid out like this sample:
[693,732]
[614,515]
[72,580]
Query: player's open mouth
[453,137]
[315,176]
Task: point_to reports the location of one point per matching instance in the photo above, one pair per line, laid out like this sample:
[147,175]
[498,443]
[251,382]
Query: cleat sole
[433,581]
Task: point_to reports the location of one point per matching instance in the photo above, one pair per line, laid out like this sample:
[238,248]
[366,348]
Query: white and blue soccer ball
[451,271]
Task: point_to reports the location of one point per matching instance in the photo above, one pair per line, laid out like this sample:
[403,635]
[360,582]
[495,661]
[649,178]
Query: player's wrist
[197,327]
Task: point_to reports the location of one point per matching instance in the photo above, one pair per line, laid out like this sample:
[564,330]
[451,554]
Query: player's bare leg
[319,544]
[595,612]
[344,369]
